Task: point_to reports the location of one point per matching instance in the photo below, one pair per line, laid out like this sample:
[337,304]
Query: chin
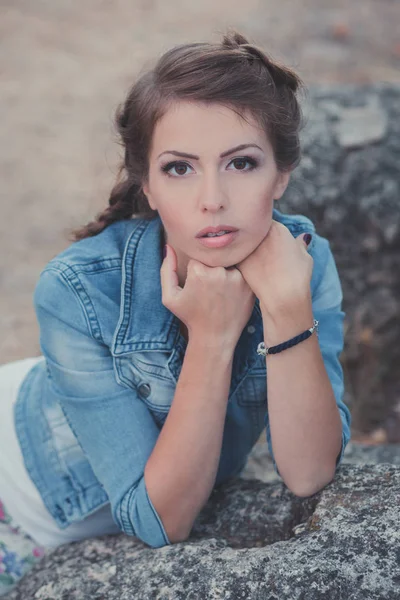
[220,263]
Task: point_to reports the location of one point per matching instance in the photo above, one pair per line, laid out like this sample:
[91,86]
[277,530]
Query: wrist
[211,349]
[282,326]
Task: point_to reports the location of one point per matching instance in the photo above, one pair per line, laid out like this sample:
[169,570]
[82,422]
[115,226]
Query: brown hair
[233,73]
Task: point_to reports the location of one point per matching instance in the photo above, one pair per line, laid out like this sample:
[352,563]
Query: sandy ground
[65,65]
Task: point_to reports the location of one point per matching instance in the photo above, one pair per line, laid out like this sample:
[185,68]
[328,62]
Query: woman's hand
[279,271]
[214,304]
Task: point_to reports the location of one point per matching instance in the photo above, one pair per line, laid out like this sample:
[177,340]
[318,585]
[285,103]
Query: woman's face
[191,193]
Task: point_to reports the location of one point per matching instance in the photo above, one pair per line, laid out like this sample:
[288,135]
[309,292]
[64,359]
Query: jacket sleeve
[112,425]
[327,309]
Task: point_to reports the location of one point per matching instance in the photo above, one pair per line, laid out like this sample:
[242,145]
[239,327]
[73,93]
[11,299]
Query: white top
[18,492]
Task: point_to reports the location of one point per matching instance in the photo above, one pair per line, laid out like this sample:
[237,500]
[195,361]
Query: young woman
[152,386]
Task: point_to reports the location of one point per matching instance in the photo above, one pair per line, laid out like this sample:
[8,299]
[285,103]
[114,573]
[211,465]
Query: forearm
[305,423]
[181,470]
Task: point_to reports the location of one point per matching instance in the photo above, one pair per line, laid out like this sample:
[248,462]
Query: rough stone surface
[252,540]
[353,197]
[359,126]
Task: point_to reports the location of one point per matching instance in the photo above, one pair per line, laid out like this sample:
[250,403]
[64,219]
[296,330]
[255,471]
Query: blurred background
[65,66]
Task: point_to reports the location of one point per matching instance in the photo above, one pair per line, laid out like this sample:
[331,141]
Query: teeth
[216,234]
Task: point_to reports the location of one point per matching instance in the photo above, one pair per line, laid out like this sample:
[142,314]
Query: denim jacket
[88,415]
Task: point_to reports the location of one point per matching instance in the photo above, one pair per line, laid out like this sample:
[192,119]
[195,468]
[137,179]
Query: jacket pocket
[151,383]
[253,389]
[249,402]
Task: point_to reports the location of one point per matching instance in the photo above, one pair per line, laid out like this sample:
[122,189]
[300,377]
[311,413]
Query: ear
[281,184]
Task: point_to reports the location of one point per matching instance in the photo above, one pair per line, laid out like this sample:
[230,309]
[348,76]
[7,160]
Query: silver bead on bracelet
[263,351]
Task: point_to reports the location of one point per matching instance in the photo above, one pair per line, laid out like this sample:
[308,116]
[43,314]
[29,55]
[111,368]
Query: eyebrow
[235,149]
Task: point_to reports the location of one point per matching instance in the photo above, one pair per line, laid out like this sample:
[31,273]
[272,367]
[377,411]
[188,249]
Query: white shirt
[18,492]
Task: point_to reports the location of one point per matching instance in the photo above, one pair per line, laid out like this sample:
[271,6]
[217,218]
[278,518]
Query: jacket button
[144,390]
[251,329]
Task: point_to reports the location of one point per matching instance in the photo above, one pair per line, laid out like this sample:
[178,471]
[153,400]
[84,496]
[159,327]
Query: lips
[206,230]
[218,241]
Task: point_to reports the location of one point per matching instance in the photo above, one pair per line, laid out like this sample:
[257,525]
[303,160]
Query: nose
[212,195]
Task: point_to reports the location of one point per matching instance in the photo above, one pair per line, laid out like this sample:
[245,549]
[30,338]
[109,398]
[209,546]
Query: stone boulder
[348,183]
[252,540]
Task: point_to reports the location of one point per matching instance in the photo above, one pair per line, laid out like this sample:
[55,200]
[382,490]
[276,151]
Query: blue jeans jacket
[88,415]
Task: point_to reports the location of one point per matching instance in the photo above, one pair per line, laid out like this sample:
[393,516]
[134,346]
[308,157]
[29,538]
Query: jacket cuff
[137,516]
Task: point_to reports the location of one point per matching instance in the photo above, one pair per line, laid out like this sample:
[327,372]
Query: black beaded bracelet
[261,349]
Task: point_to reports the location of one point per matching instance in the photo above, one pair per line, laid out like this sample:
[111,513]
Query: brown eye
[175,165]
[240,163]
[180,168]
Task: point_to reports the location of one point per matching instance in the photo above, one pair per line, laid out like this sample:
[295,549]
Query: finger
[306,239]
[168,274]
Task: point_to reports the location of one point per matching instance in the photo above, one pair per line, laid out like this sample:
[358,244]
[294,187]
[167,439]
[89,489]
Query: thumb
[168,274]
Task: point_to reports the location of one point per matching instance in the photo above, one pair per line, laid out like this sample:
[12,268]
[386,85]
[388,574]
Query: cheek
[260,212]
[259,222]
[170,203]
[173,222]
[259,192]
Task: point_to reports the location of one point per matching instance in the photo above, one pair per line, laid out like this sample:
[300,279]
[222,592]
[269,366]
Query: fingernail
[165,251]
[307,238]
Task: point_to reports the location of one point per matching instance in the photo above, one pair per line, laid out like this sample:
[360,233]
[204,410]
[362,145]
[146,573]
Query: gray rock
[252,540]
[362,125]
[352,194]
